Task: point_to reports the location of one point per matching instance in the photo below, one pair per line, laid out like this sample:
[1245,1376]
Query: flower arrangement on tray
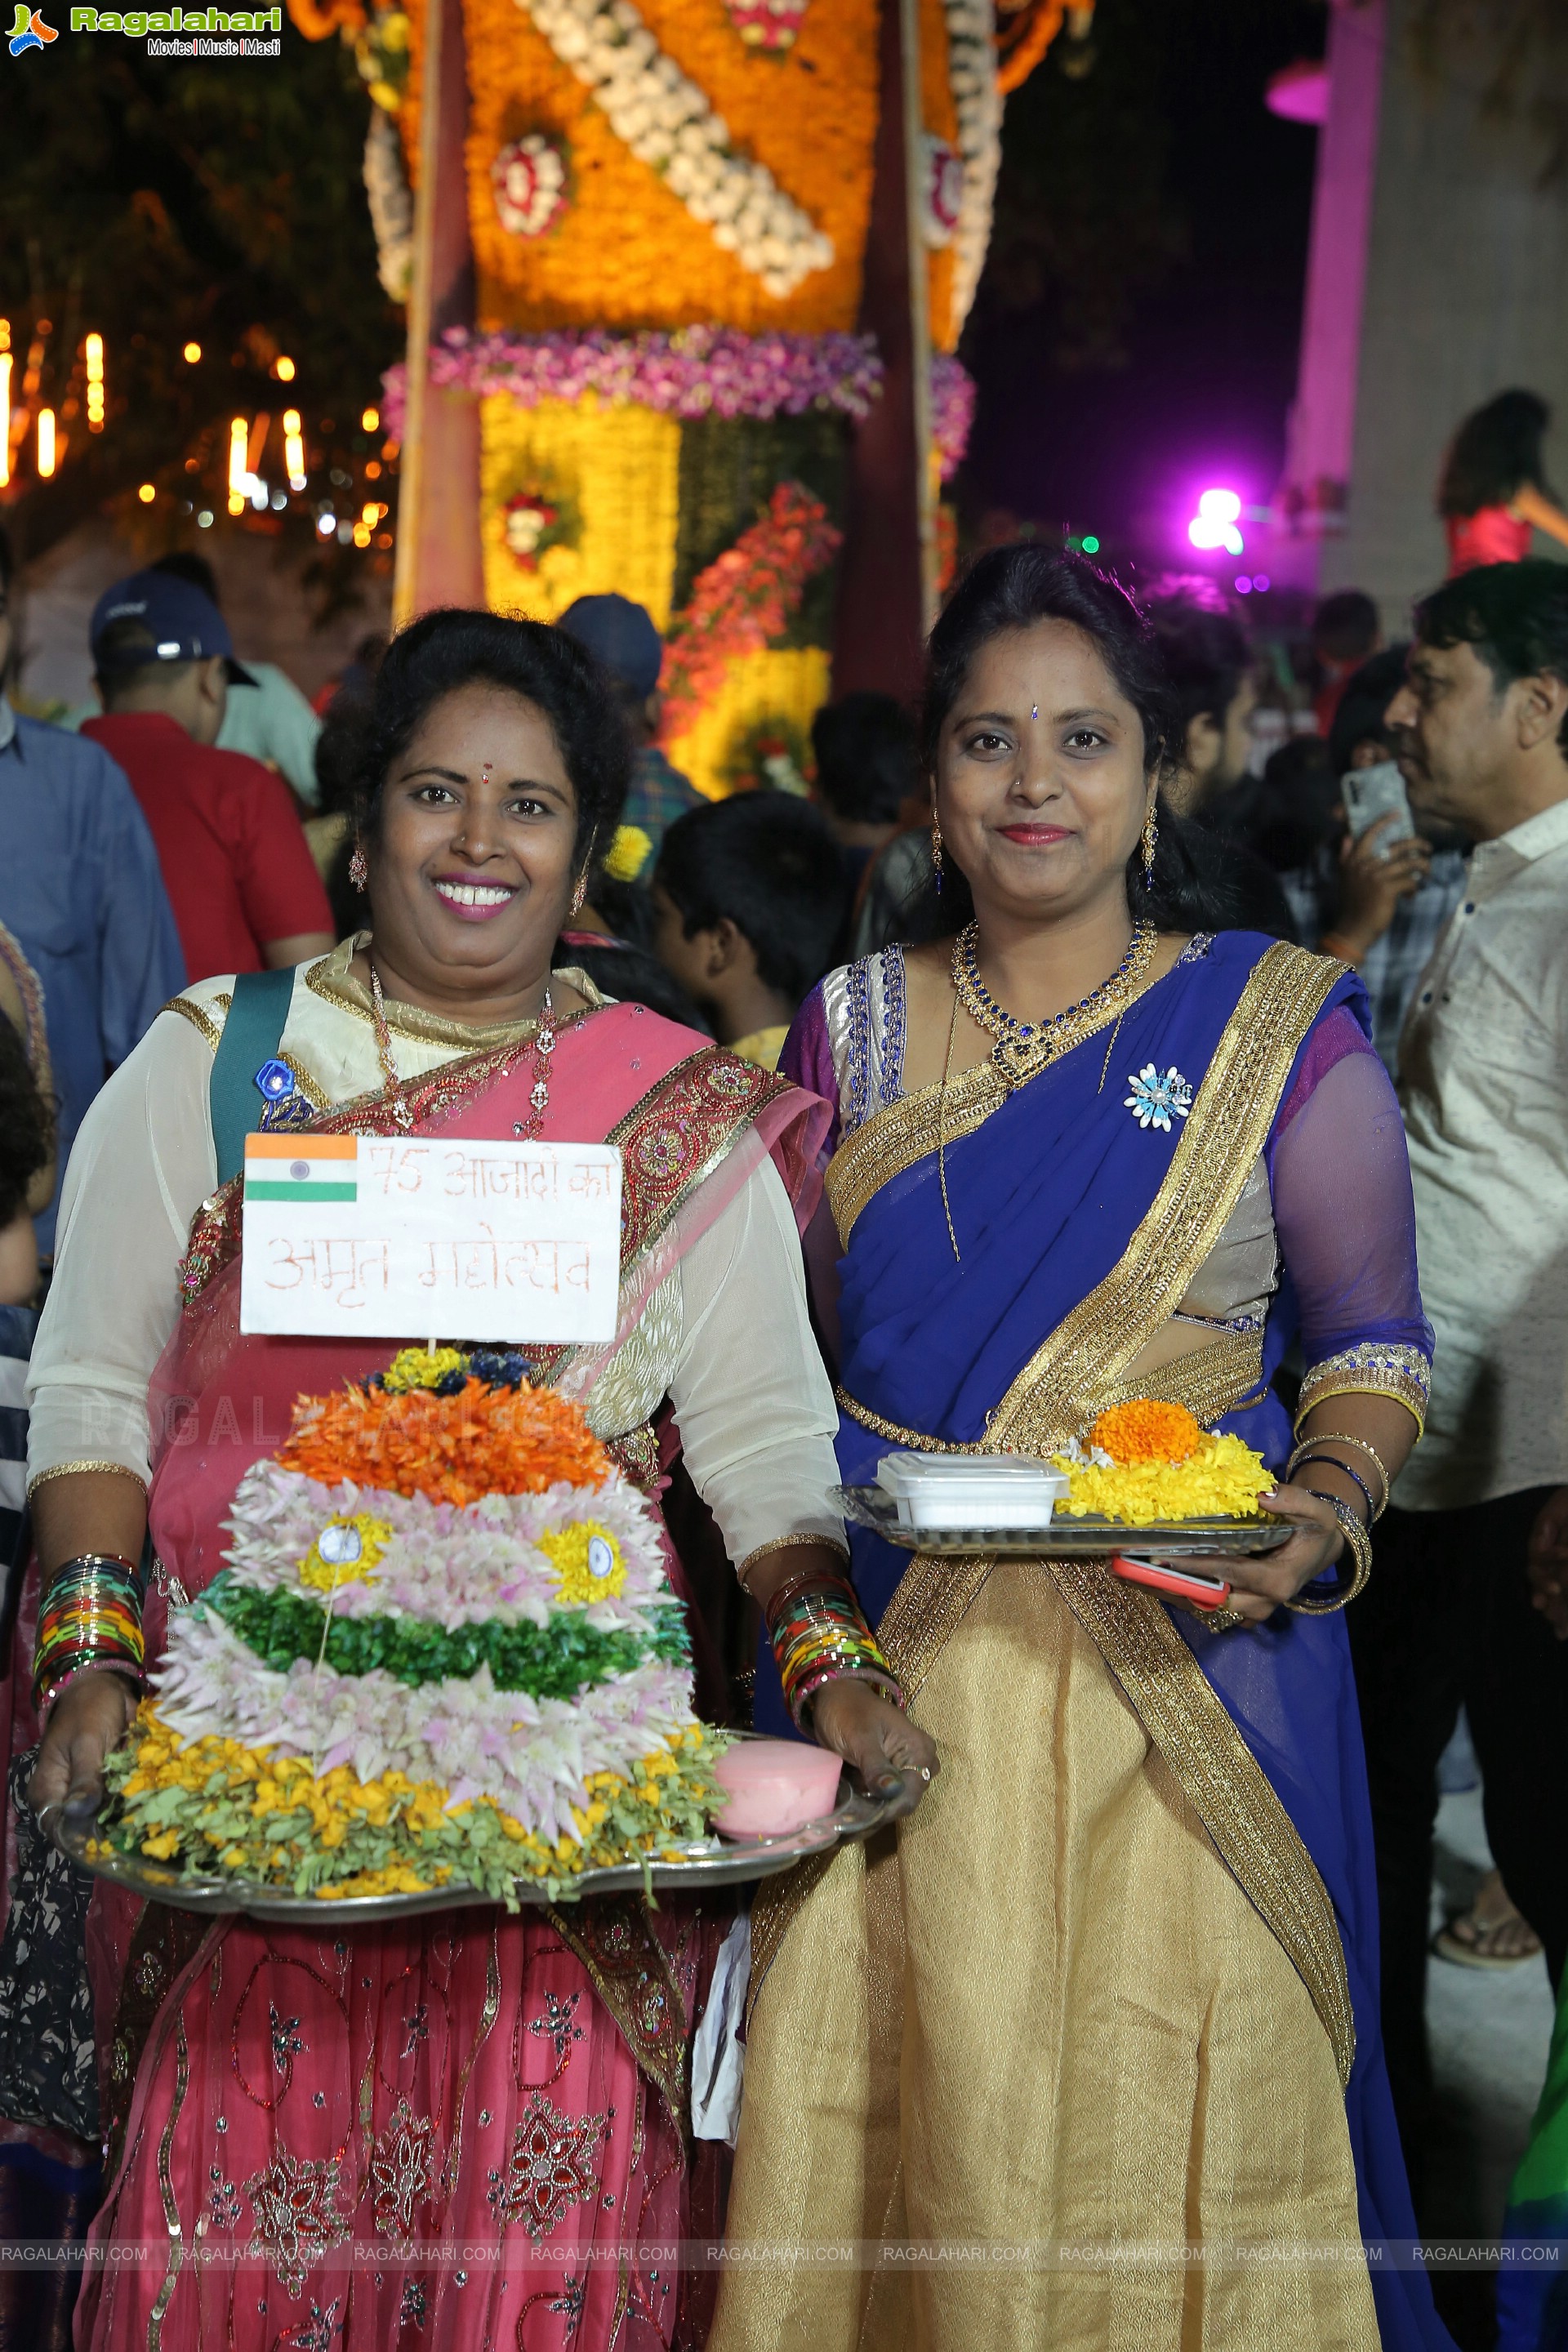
[1145,1461]
[443,1650]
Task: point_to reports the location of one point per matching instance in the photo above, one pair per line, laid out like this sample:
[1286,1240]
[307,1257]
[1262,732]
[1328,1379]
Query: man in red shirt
[243,884]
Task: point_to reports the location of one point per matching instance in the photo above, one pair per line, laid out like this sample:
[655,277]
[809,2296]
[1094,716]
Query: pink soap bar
[775,1786]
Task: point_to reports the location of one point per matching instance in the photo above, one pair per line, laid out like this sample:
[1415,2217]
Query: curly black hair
[444,651]
[27,1125]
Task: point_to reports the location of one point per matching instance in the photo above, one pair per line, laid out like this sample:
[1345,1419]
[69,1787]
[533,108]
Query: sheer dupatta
[1078,1231]
[291,2097]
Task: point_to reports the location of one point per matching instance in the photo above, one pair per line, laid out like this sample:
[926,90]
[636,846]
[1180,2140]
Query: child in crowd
[749,900]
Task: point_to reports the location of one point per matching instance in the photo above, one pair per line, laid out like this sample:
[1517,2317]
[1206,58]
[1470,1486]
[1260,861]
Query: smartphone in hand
[1371,793]
[1179,1583]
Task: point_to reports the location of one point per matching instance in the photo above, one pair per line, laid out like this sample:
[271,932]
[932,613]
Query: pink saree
[468,2130]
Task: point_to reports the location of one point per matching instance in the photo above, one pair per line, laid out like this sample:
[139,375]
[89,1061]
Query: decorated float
[656,258]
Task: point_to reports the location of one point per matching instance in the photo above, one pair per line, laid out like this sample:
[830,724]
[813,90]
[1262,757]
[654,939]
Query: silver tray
[708,1862]
[1093,1538]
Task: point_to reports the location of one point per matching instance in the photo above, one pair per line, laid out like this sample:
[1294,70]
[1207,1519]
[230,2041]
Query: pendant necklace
[1023,1047]
[397,1102]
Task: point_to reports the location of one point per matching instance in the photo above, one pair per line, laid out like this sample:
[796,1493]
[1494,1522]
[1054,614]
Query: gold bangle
[1360,1543]
[1343,1437]
[786,1543]
[85,1470]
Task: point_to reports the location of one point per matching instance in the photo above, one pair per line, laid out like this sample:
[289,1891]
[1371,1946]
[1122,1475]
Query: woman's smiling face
[1041,787]
[471,858]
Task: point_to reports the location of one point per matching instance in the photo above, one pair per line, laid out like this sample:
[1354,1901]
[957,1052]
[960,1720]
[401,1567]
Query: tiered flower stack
[443,1651]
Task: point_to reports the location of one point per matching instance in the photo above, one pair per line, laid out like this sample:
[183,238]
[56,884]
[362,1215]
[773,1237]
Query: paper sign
[404,1238]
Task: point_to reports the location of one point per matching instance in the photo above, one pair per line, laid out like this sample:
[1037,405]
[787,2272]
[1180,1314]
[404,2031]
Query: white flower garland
[669,125]
[971,66]
[528,180]
[391,205]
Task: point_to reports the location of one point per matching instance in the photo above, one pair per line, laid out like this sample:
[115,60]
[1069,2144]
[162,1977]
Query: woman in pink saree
[470,2128]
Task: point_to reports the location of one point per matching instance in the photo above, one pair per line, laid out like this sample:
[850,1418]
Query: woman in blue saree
[1109,1995]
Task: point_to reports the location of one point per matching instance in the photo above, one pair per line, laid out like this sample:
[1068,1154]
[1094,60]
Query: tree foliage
[161,203]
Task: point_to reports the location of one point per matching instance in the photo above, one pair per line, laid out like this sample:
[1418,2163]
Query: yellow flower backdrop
[786,686]
[617,466]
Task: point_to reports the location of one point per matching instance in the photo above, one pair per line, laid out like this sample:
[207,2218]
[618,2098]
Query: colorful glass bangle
[819,1634]
[91,1616]
[1360,1543]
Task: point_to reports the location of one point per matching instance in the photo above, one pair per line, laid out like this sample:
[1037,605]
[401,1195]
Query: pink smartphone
[1164,1576]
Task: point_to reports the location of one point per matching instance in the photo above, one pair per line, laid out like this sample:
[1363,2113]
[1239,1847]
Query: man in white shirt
[1481,724]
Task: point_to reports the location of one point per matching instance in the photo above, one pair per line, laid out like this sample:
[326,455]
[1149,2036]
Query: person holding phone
[1382,903]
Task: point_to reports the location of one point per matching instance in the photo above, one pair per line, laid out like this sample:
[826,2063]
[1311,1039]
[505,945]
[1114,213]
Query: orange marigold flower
[455,1449]
[1144,1429]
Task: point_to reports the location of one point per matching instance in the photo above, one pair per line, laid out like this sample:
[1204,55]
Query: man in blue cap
[623,640]
[80,890]
[240,876]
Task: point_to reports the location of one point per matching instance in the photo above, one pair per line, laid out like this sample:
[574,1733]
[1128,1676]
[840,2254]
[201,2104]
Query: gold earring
[579,895]
[1151,843]
[936,850]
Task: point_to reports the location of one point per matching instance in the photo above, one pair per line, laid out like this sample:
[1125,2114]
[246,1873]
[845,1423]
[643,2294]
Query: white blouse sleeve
[142,1165]
[754,1405]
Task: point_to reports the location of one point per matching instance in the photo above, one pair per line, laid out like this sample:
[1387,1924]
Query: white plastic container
[971,1490]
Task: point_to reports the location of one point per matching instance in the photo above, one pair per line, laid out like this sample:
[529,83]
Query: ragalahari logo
[29,31]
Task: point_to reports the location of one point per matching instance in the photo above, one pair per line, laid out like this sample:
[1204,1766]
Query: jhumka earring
[358,872]
[936,850]
[1151,843]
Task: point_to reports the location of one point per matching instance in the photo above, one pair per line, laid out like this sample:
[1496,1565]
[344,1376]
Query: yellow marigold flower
[162,1845]
[417,1368]
[587,1560]
[629,851]
[326,1575]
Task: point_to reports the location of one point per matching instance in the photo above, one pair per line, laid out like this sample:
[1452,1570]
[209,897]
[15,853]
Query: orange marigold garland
[454,1449]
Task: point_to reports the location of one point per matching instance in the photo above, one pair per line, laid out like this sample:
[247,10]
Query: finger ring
[925,1771]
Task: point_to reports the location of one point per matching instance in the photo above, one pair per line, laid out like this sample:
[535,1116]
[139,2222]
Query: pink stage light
[1242,584]
[1215,523]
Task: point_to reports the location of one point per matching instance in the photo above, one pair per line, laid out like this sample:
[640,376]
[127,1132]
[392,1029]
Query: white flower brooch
[1154,1100]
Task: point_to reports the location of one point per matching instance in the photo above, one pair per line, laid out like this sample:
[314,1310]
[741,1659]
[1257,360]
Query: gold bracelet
[1343,1437]
[1360,1543]
[85,1470]
[786,1543]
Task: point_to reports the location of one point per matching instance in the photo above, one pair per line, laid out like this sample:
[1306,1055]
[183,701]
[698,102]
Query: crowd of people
[1148,1961]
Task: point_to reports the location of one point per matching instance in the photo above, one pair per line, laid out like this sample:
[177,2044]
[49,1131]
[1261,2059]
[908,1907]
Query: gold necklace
[1022,1048]
[397,1102]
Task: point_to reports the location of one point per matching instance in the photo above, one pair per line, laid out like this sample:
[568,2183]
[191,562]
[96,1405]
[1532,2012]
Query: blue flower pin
[274,1081]
[1154,1100]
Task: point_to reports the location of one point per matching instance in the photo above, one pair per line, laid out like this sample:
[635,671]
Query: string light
[4,402]
[146,494]
[192,354]
[46,443]
[371,420]
[92,350]
[284,370]
[293,449]
[238,471]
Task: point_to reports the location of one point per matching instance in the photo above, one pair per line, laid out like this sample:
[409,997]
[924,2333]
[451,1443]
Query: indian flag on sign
[300,1168]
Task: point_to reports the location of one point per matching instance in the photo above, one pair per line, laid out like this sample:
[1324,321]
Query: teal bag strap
[247,1076]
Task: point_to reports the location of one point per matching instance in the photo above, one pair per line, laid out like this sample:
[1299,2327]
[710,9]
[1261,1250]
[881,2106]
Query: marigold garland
[454,1449]
[742,599]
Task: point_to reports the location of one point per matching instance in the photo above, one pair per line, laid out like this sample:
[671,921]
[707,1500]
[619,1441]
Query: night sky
[1175,101]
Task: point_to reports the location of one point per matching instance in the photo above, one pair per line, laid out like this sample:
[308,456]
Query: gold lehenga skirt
[1045,2014]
